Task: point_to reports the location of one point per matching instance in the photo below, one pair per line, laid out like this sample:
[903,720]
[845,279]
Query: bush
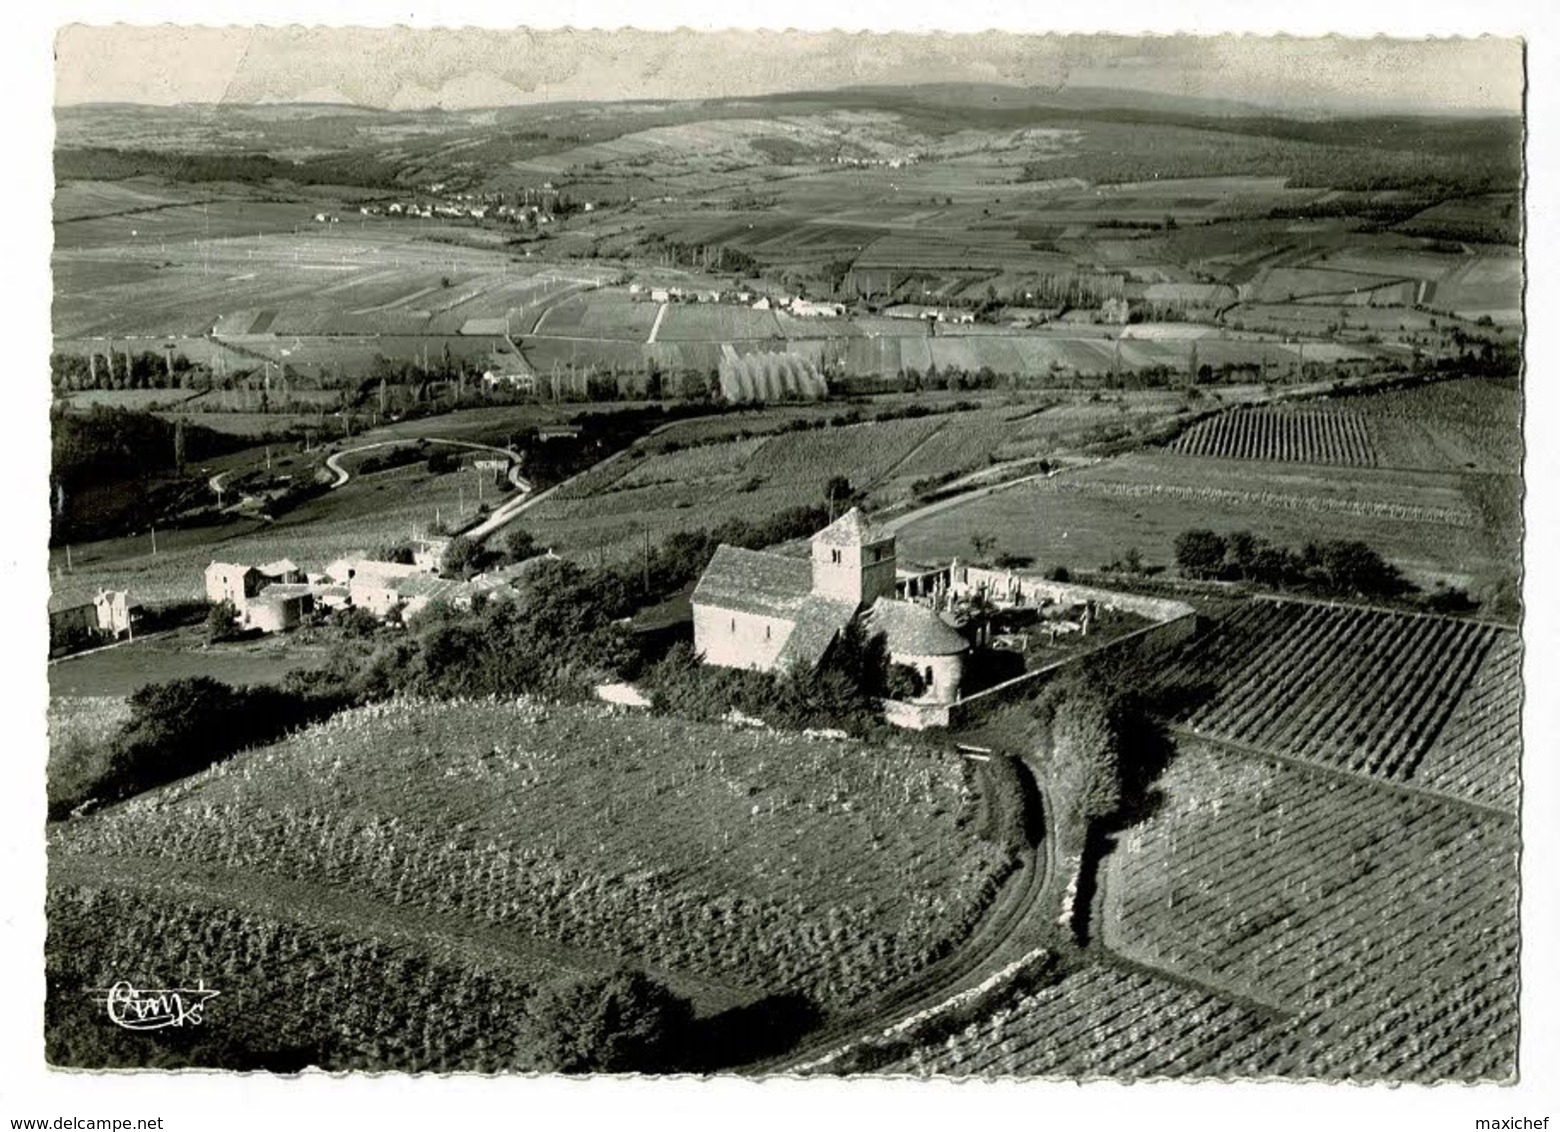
[624,1022]
[222,623]
[463,558]
[182,726]
[1200,553]
[520,544]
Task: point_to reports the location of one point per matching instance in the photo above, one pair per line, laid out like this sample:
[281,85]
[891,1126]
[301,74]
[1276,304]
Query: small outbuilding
[279,608]
[920,639]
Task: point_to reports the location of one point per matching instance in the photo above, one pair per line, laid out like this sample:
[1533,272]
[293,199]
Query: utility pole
[69,567]
[154,540]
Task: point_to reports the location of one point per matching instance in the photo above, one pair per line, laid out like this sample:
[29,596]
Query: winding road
[333,461]
[1017,920]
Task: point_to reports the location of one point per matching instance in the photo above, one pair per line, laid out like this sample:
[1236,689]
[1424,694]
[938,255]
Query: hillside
[507,841]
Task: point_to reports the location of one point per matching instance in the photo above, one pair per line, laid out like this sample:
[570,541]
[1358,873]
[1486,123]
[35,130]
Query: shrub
[1200,553]
[624,1022]
[222,623]
[182,726]
[520,544]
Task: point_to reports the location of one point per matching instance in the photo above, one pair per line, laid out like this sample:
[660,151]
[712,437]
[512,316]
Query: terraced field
[1384,922]
[1364,691]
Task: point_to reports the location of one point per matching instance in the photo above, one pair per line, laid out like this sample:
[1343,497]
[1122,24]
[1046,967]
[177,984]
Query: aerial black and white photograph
[784,554]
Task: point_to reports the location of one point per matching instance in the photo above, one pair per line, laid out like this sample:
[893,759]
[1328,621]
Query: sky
[409,68]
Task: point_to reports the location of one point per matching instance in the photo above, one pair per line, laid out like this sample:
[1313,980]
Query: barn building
[778,613]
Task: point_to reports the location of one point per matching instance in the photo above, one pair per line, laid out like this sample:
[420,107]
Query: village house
[116,613]
[372,585]
[806,308]
[521,382]
[231,582]
[71,624]
[774,612]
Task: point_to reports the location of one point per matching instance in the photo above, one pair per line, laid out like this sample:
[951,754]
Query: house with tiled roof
[778,613]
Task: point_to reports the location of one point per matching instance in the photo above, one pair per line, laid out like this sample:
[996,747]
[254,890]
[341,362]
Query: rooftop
[817,622]
[428,586]
[851,529]
[754,581]
[368,569]
[284,591]
[914,629]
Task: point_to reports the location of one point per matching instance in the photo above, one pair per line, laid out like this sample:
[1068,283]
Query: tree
[1083,751]
[1353,567]
[1243,548]
[221,623]
[623,1022]
[463,558]
[862,659]
[520,544]
[983,544]
[1200,553]
[839,492]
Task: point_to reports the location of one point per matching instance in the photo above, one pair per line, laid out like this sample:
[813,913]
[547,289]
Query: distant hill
[1004,96]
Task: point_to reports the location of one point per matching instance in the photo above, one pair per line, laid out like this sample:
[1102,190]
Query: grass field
[119,671]
[762,863]
[1434,526]
[1383,922]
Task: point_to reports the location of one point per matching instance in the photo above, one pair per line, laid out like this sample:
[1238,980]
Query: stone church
[774,612]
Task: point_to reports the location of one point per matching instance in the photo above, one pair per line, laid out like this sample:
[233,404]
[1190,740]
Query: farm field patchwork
[764,863]
[1384,922]
[599,315]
